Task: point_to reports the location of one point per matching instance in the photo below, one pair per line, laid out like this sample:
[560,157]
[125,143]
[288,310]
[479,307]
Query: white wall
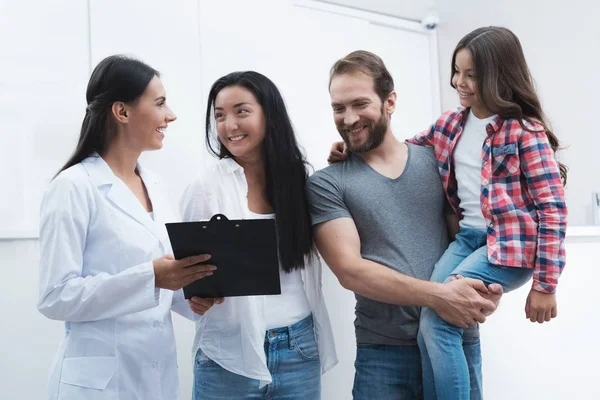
[238,35]
[560,40]
[552,361]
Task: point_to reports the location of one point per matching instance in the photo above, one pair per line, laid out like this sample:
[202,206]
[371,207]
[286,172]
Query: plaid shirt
[522,196]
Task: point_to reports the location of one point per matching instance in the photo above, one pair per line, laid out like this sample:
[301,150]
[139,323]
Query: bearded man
[379,222]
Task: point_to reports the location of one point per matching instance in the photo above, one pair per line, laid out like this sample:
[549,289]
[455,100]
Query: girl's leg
[452,257]
[444,342]
[472,349]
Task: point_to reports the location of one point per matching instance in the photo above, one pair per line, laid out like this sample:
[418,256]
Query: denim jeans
[449,373]
[292,359]
[385,372]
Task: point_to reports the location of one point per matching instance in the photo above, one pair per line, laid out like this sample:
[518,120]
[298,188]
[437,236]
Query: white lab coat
[97,244]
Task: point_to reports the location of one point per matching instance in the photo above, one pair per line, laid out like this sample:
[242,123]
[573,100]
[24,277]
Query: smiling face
[360,117]
[464,80]
[240,122]
[148,117]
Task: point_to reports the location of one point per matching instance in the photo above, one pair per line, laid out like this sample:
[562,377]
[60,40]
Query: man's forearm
[377,282]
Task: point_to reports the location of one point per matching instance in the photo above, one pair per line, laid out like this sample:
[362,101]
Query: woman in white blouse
[259,347]
[105,267]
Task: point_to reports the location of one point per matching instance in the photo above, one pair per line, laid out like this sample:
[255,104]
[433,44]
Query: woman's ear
[120,112]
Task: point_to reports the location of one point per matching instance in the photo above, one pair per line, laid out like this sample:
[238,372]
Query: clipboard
[244,251]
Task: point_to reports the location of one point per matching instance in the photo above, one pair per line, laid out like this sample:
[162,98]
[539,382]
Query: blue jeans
[292,359]
[385,372]
[448,372]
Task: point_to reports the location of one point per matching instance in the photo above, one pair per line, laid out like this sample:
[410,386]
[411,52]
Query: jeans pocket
[305,345]
[202,360]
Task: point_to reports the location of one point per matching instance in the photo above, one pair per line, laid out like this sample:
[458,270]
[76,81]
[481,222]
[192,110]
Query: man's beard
[375,134]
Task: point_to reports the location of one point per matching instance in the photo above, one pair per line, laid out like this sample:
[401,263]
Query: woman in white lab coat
[105,266]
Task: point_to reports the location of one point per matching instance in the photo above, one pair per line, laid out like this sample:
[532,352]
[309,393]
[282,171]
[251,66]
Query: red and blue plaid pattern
[522,195]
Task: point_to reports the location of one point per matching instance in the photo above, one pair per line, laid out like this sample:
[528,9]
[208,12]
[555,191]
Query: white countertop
[576,231]
[589,231]
[18,234]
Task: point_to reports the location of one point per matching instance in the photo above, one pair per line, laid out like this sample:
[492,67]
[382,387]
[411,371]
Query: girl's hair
[116,78]
[285,164]
[503,79]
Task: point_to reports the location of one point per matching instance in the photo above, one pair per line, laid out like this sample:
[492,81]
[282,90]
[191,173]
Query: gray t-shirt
[401,225]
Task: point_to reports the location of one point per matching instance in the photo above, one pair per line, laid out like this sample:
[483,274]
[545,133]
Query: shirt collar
[492,127]
[230,165]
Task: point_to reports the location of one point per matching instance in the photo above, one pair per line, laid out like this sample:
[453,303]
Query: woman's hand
[540,307]
[200,305]
[173,274]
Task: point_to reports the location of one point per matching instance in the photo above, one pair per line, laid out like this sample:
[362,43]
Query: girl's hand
[338,152]
[540,307]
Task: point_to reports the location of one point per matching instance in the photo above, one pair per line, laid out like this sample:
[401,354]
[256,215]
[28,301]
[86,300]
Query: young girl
[496,159]
[257,347]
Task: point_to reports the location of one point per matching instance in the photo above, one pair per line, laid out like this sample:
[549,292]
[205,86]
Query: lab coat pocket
[87,377]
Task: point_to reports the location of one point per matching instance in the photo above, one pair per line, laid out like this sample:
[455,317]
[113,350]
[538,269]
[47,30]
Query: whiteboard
[297,52]
[329,33]
[44,75]
[166,36]
[44,68]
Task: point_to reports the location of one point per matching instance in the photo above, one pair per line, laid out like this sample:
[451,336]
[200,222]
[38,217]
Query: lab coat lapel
[161,209]
[120,195]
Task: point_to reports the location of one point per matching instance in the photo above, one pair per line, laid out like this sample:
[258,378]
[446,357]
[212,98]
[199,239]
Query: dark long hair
[503,79]
[116,78]
[285,164]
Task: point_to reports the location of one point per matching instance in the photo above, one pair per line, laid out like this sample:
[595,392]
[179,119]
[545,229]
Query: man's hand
[540,307]
[494,293]
[460,303]
[200,305]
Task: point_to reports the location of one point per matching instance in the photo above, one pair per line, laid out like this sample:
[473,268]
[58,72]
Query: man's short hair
[367,63]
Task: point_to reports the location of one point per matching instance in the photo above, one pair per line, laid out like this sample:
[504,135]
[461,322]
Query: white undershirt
[467,169]
[291,305]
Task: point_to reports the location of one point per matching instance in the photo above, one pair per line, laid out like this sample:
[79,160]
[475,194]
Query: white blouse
[232,333]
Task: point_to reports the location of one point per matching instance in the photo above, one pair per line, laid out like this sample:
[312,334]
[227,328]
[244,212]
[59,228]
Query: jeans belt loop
[290,337]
